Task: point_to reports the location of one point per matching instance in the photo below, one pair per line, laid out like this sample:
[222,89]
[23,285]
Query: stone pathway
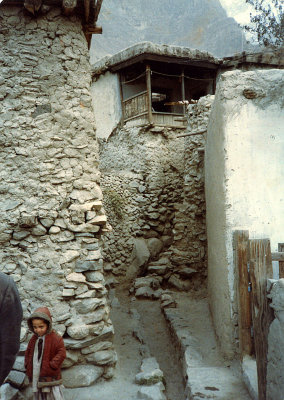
[207,374]
[178,349]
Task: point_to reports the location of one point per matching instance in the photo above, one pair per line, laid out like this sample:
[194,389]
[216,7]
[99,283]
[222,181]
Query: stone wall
[51,203]
[153,185]
[275,357]
[189,246]
[142,177]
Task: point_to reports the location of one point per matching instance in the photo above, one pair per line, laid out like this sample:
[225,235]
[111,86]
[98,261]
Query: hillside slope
[201,24]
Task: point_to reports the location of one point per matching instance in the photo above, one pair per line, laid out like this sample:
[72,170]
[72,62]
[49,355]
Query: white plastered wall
[244,181]
[105,93]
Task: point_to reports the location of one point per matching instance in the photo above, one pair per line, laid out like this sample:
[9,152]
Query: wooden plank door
[241,245]
[262,314]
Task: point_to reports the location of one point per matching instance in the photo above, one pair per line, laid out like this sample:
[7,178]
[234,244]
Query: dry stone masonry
[153,185]
[141,181]
[51,203]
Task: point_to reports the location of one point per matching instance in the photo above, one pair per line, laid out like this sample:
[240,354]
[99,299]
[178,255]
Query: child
[44,356]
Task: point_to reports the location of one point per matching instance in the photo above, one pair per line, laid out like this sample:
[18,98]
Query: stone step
[214,383]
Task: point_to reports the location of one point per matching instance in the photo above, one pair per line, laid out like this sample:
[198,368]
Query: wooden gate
[253,260]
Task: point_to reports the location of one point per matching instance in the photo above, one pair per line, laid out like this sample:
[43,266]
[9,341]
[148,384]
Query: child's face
[40,326]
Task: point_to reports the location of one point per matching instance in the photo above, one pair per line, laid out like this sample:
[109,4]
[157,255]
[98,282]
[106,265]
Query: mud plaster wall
[244,181]
[106,103]
[51,202]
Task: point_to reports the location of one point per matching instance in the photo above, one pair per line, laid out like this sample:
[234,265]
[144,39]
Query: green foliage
[114,201]
[267,23]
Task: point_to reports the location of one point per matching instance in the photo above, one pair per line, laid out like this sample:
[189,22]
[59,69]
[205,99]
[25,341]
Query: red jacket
[54,351]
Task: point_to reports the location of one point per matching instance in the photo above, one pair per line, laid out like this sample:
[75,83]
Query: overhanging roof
[155,52]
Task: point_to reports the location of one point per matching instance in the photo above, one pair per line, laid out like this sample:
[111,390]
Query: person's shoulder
[5,280]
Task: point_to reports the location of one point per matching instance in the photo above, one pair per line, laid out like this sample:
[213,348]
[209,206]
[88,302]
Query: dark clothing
[11,315]
[54,351]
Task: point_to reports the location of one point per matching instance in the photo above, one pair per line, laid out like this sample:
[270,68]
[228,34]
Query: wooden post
[120,77]
[183,90]
[262,314]
[281,263]
[241,245]
[149,93]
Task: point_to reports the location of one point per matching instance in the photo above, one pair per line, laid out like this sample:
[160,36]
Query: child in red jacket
[44,355]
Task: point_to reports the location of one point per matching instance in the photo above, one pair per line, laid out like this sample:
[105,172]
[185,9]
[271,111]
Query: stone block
[8,392]
[155,246]
[154,392]
[93,255]
[39,230]
[144,292]
[87,305]
[76,277]
[19,364]
[97,347]
[99,220]
[54,230]
[78,331]
[94,276]
[104,357]
[16,379]
[69,256]
[82,266]
[68,292]
[72,358]
[81,375]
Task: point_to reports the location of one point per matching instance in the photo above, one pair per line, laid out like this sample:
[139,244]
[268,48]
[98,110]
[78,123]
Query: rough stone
[16,378]
[150,373]
[81,375]
[87,305]
[78,331]
[8,392]
[155,246]
[151,393]
[102,357]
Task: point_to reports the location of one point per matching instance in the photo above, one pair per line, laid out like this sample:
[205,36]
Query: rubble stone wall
[153,185]
[190,242]
[51,203]
[142,178]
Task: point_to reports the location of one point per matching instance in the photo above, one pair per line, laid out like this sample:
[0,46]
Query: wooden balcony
[136,112]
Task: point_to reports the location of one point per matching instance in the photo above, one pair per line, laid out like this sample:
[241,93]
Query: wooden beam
[241,246]
[262,313]
[69,6]
[167,59]
[32,5]
[87,10]
[191,134]
[98,6]
[90,29]
[183,89]
[281,262]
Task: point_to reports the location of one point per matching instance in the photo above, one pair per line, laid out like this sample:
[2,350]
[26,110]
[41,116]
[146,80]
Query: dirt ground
[141,331]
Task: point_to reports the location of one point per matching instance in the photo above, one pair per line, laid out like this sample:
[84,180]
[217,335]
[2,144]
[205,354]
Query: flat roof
[155,52]
[144,51]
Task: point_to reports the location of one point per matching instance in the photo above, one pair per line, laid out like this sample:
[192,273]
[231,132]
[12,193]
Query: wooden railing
[135,105]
